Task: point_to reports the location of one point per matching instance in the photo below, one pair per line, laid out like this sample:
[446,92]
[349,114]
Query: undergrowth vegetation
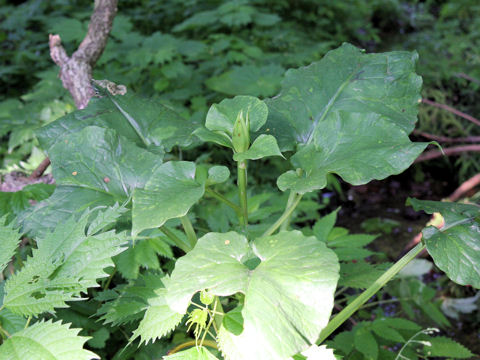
[190,217]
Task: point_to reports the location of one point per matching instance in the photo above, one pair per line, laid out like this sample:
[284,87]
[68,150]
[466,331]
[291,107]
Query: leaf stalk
[350,309]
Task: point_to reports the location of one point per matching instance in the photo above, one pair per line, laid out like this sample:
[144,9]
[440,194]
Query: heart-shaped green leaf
[455,247]
[350,114]
[288,295]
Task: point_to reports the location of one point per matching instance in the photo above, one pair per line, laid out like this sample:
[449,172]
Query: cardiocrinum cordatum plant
[252,286]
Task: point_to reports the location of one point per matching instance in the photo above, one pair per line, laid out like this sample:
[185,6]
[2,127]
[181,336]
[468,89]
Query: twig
[465,188]
[38,172]
[452,110]
[467,77]
[76,71]
[454,150]
[445,139]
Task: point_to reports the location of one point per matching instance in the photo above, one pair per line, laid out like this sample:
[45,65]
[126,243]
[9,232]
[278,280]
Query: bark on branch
[76,71]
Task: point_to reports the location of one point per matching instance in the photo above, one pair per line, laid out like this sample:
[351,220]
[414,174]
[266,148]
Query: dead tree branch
[454,150]
[452,110]
[76,71]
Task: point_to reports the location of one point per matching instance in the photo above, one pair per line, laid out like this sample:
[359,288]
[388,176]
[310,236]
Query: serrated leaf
[144,254]
[93,166]
[11,322]
[385,332]
[193,353]
[360,275]
[66,262]
[263,146]
[46,341]
[14,203]
[171,191]
[365,342]
[9,240]
[128,302]
[147,123]
[445,347]
[275,290]
[325,225]
[455,247]
[351,114]
[159,319]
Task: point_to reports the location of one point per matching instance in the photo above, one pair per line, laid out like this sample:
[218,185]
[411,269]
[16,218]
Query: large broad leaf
[349,114]
[455,247]
[288,296]
[145,122]
[92,167]
[66,263]
[9,239]
[171,191]
[46,341]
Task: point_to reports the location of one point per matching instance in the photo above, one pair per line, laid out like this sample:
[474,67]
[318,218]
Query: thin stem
[188,228]
[212,318]
[223,199]
[5,332]
[242,189]
[283,217]
[381,302]
[343,315]
[190,343]
[109,280]
[291,199]
[28,322]
[178,242]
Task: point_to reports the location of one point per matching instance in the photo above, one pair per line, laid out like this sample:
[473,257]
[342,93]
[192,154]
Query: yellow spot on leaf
[227,242]
[74,173]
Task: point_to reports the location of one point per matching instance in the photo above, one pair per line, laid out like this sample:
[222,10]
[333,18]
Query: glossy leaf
[455,248]
[263,146]
[217,175]
[350,114]
[92,167]
[286,304]
[147,123]
[46,340]
[171,191]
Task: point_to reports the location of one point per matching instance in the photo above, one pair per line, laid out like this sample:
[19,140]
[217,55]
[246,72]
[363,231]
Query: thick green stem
[286,214]
[223,199]
[178,242]
[291,199]
[188,228]
[343,315]
[242,189]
